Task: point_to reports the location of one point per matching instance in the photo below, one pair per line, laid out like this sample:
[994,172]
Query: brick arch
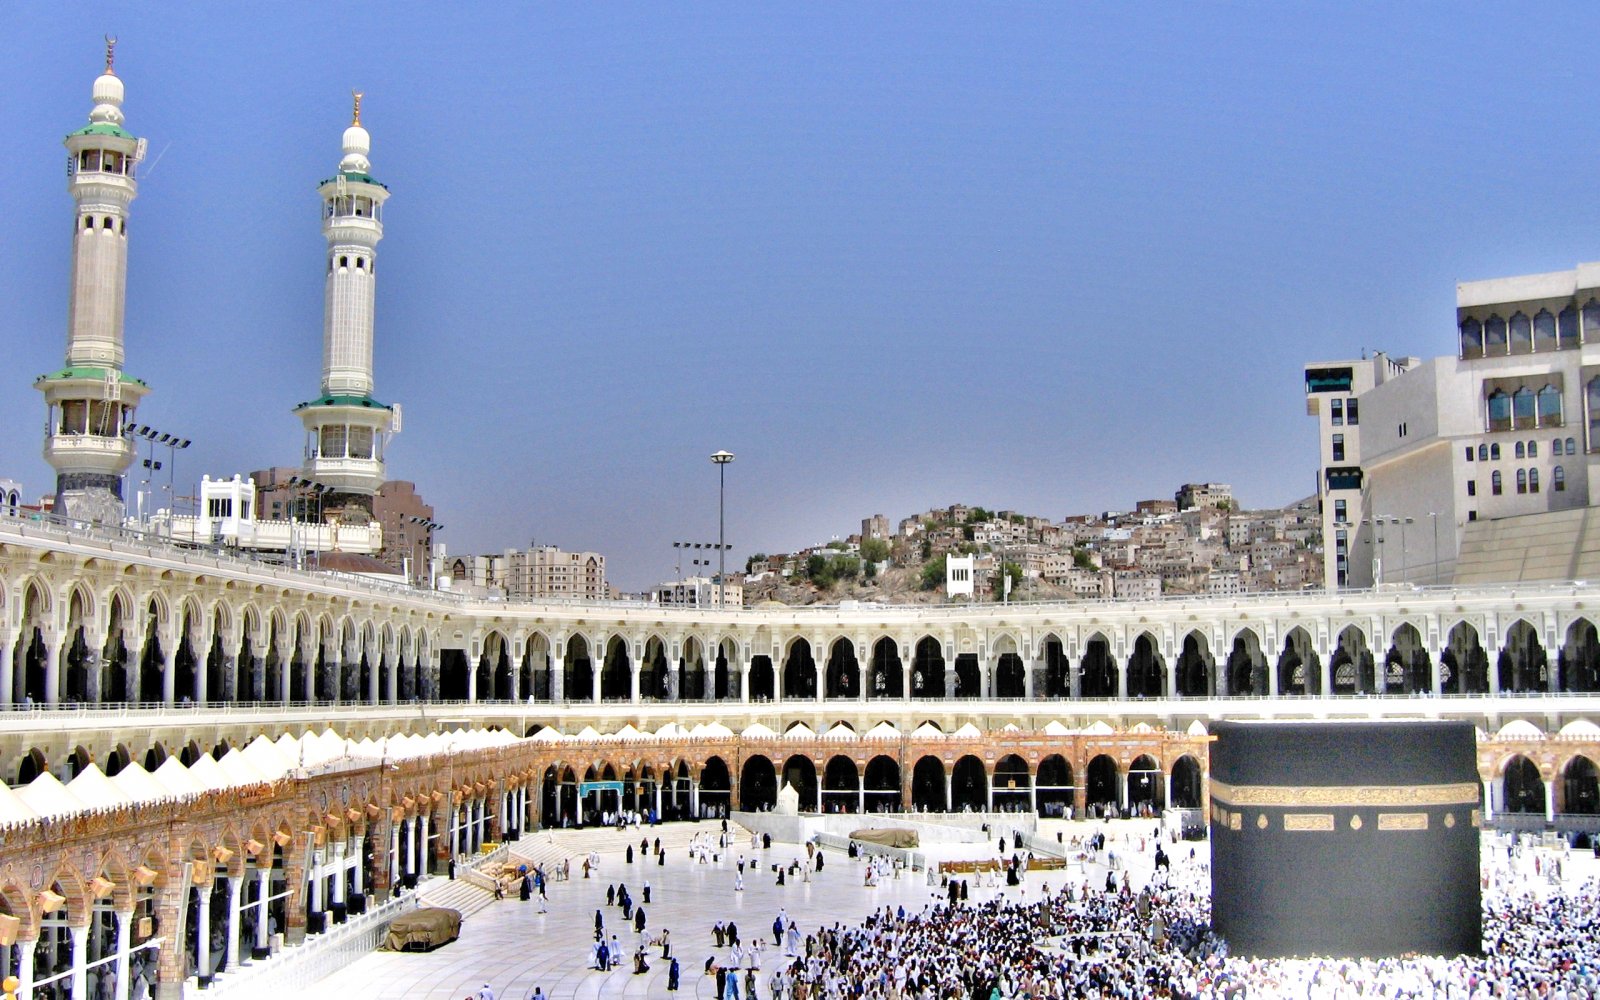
[75,888]
[21,904]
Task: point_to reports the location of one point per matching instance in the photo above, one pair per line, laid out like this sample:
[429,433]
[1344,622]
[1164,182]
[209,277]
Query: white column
[358,867]
[24,969]
[1033,797]
[52,671]
[80,960]
[264,889]
[1029,669]
[394,855]
[1166,800]
[413,865]
[658,798]
[744,681]
[8,643]
[425,862]
[285,669]
[990,784]
[1122,789]
[169,667]
[634,670]
[315,876]
[694,798]
[235,898]
[455,811]
[1488,799]
[124,919]
[202,933]
[558,679]
[337,867]
[861,796]
[1550,802]
[949,801]
[472,680]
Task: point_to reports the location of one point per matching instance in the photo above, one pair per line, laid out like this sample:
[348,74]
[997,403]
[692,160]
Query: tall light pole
[1405,571]
[1435,517]
[721,460]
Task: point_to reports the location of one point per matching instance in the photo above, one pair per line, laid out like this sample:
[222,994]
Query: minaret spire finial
[111,53]
[358,95]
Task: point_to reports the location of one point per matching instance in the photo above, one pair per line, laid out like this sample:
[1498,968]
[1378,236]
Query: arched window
[1520,450]
[1570,443]
[1522,408]
[1522,480]
[1483,453]
[361,265]
[1559,477]
[1494,336]
[344,261]
[1521,334]
[1544,331]
[88,222]
[1494,452]
[1568,326]
[1533,449]
[1592,392]
[1549,406]
[1555,446]
[106,223]
[1533,480]
[1496,483]
[1591,320]
[1471,339]
[1500,411]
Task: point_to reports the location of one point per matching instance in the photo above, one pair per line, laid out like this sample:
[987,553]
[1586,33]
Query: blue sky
[1053,258]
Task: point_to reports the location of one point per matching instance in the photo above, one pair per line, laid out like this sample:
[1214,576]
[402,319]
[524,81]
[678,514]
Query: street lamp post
[1405,573]
[1435,517]
[721,460]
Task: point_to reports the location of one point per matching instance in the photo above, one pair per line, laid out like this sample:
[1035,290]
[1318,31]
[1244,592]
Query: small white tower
[346,426]
[91,401]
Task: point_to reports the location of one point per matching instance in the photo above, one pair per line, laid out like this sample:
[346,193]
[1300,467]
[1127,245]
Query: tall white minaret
[345,426]
[91,401]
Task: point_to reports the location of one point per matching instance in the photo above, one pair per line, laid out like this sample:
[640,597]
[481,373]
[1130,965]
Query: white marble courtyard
[514,948]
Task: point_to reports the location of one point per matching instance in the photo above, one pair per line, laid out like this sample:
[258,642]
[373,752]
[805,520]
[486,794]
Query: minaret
[345,426]
[91,401]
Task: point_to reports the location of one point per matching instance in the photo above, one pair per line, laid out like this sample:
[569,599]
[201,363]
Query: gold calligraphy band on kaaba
[1402,821]
[1345,796]
[1308,822]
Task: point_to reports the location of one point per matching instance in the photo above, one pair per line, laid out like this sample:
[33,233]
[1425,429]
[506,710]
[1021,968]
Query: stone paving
[513,948]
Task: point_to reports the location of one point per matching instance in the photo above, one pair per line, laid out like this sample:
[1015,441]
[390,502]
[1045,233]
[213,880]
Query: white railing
[905,855]
[1040,845]
[294,970]
[469,869]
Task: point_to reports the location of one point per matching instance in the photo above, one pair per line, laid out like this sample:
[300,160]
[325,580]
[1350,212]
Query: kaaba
[1345,839]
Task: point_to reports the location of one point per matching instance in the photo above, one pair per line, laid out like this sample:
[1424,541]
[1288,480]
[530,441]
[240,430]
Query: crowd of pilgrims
[1539,935]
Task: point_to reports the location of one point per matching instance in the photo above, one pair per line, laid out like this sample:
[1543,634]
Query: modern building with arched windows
[1432,471]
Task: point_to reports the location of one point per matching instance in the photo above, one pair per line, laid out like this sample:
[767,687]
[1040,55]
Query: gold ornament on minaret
[111,53]
[356,116]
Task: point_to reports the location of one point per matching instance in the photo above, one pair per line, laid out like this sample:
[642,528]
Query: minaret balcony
[349,475]
[88,453]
